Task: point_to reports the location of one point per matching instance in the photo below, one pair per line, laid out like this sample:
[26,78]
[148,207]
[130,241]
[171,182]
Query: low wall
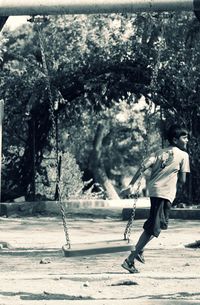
[90,208]
[175,213]
[86,208]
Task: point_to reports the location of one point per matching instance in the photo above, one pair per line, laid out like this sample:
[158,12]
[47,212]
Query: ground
[35,271]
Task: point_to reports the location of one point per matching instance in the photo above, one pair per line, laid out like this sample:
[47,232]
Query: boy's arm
[184,170]
[182,177]
[143,167]
[136,176]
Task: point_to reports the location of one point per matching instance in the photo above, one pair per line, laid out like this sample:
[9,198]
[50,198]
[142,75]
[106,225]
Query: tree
[93,62]
[79,71]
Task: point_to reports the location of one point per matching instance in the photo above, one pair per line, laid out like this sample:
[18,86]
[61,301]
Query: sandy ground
[35,271]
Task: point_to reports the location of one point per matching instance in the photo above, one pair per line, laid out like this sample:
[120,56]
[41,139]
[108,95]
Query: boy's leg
[128,264]
[158,219]
[142,242]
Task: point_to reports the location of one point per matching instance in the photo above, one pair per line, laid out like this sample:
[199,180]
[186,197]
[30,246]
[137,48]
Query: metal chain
[148,125]
[54,127]
[160,45]
[128,229]
[135,196]
[129,226]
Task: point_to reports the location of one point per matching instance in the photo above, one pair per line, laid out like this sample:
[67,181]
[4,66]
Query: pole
[33,160]
[1,121]
[3,20]
[54,7]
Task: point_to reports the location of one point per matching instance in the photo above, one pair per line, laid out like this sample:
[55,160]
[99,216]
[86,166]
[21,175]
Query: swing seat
[100,247]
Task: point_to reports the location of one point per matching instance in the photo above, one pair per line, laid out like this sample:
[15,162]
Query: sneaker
[129,266]
[140,258]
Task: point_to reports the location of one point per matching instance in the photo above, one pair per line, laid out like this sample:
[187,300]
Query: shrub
[71,183]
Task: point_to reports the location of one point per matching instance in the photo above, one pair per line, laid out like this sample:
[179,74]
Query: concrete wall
[90,208]
[175,213]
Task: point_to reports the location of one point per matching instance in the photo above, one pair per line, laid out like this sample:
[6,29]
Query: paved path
[38,273]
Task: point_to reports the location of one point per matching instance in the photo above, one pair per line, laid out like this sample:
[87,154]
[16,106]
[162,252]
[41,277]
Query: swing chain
[54,127]
[161,44]
[148,128]
[135,196]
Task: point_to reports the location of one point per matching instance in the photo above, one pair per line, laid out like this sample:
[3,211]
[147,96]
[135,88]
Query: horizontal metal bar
[54,7]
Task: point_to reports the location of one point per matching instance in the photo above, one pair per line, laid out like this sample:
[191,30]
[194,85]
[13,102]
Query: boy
[168,166]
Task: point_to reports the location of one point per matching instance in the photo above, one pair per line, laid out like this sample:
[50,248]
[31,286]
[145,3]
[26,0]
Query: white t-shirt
[166,164]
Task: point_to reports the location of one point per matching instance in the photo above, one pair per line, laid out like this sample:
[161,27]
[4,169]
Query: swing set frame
[49,7]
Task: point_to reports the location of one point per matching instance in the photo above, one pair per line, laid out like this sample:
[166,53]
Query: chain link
[152,86]
[54,128]
[160,45]
[128,229]
[135,196]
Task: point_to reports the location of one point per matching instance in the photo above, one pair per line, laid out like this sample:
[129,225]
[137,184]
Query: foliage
[178,85]
[97,66]
[131,134]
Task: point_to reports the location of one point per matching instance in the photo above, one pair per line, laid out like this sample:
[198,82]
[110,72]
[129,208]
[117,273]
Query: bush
[71,183]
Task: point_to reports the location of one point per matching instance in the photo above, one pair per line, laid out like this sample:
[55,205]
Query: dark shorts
[158,217]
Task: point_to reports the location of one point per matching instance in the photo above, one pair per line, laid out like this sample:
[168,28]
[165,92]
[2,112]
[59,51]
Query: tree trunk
[97,166]
[21,172]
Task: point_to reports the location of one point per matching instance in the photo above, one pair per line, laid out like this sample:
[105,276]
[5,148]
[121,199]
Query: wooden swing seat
[99,247]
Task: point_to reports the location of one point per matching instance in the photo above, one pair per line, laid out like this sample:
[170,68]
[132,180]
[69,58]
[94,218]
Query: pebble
[45,261]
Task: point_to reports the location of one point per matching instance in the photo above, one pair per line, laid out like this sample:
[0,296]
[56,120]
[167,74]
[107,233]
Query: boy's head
[178,136]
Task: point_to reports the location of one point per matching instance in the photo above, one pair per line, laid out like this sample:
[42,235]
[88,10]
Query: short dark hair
[176,131]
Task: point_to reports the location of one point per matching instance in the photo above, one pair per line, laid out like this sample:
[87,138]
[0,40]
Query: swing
[101,247]
[92,248]
[108,246]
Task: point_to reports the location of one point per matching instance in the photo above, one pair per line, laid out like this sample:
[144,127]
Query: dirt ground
[35,271]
